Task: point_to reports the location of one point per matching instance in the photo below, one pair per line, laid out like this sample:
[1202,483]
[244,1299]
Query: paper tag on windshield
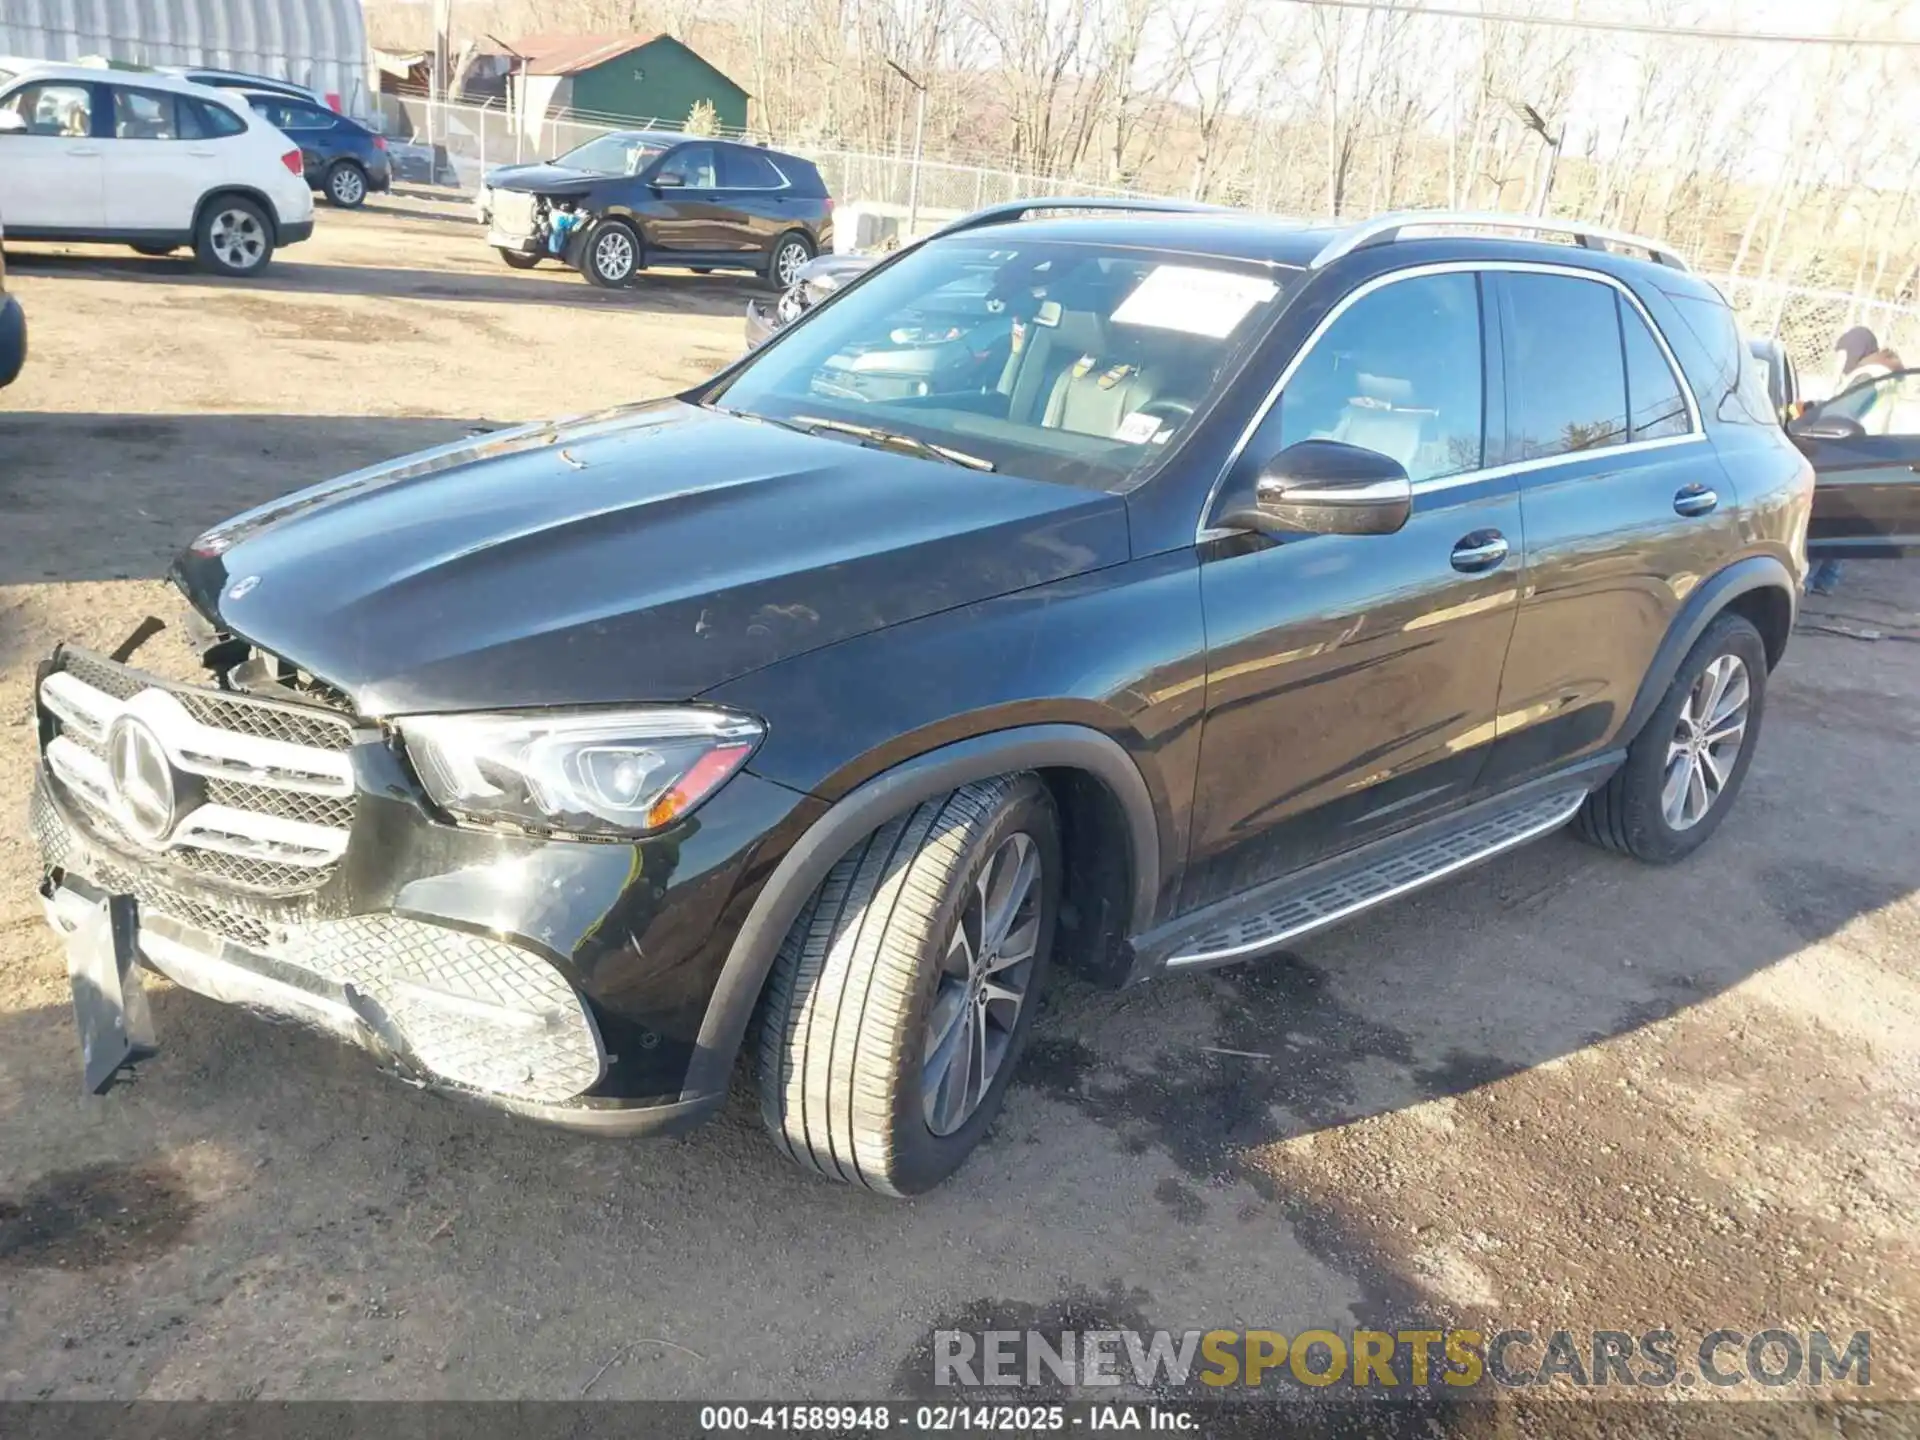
[1198,301]
[1137,428]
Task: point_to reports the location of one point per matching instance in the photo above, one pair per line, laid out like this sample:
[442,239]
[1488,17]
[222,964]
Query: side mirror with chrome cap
[1327,487]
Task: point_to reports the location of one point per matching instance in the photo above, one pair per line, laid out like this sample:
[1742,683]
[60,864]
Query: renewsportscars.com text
[1410,1359]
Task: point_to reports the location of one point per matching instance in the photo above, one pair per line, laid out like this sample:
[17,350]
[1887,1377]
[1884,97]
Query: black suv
[1270,573]
[634,198]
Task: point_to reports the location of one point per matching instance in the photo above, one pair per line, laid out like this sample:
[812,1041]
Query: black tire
[346,185]
[518,259]
[701,269]
[843,1035]
[157,251]
[233,236]
[1628,813]
[789,253]
[600,256]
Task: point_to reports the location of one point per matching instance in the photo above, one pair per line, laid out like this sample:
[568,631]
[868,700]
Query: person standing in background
[1861,361]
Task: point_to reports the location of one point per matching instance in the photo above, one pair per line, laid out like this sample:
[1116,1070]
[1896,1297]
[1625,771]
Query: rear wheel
[902,998]
[347,185]
[234,237]
[518,259]
[1685,768]
[611,255]
[791,252]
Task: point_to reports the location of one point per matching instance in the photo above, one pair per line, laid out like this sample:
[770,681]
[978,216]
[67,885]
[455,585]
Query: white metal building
[321,44]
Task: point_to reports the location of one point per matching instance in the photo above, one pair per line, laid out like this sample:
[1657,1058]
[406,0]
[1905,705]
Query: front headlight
[603,774]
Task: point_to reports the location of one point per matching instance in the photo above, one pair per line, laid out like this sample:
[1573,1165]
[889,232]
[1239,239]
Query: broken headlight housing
[605,774]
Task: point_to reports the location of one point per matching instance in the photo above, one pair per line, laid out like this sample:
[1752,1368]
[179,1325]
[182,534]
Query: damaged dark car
[632,199]
[1183,603]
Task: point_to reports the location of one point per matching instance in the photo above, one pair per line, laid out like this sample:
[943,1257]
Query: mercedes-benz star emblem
[144,801]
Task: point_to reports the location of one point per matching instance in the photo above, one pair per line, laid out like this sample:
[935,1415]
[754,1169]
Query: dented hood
[648,553]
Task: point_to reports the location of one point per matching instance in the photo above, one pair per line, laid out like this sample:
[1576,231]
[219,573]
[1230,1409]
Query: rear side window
[1659,407]
[747,170]
[694,164]
[1566,380]
[206,120]
[307,117]
[1399,373]
[144,115]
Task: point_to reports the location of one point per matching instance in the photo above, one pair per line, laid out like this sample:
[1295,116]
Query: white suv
[148,160]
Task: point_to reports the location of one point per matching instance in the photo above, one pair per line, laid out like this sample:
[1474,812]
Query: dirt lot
[1563,1092]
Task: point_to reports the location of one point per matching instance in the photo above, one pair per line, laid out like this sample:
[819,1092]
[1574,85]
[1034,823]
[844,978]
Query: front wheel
[1684,769]
[783,267]
[518,259]
[611,255]
[903,996]
[234,237]
[156,251]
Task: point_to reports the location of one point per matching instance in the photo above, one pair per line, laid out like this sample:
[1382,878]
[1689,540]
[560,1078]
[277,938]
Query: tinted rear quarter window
[215,120]
[803,175]
[1728,388]
[1653,390]
[1566,381]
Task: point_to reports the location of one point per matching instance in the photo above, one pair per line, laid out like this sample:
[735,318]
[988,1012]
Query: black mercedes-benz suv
[1261,574]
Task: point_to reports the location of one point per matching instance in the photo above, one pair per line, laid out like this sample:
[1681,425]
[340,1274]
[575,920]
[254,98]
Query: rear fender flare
[870,805]
[1712,596]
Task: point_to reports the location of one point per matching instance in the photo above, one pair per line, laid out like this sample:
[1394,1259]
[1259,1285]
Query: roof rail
[1016,210]
[1383,229]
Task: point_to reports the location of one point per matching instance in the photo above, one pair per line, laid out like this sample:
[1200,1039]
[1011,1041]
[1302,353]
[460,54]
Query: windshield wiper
[894,438]
[798,427]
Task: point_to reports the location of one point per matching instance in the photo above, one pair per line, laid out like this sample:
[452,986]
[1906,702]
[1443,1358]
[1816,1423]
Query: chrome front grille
[264,791]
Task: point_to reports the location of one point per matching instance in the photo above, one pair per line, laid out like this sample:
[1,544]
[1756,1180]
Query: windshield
[611,155]
[1055,360]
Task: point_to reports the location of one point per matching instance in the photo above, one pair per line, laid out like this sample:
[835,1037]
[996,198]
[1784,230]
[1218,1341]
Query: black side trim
[1710,597]
[100,235]
[865,809]
[1151,950]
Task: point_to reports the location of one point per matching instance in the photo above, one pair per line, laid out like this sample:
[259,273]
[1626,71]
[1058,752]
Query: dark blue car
[635,198]
[344,160]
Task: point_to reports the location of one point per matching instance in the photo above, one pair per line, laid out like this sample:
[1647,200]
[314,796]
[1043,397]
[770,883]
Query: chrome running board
[1296,911]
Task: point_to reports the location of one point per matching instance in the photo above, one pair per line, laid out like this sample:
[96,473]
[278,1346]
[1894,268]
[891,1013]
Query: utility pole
[1537,123]
[919,143]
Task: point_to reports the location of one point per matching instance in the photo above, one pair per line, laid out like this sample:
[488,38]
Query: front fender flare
[1708,600]
[870,805]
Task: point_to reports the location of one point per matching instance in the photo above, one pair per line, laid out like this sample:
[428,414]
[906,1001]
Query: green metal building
[624,80]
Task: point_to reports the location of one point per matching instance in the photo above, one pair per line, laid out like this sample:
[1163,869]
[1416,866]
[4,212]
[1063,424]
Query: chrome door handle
[1482,550]
[1695,500]
[202,154]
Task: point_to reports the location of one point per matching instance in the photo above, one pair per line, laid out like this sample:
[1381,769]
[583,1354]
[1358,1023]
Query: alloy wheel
[1706,742]
[982,985]
[238,239]
[786,265]
[348,186]
[613,254]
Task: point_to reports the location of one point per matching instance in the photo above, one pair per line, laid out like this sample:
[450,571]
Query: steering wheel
[1172,411]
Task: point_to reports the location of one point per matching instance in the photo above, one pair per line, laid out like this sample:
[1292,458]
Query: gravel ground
[1564,1091]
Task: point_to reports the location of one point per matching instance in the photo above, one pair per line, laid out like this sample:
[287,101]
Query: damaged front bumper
[562,980]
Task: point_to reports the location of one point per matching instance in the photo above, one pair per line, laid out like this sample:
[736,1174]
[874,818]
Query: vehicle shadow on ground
[660,291]
[116,496]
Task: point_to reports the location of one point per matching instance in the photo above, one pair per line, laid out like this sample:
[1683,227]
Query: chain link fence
[457,144]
